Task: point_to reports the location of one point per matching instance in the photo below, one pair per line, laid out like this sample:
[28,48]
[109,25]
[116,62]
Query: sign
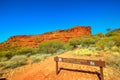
[81,61]
[92,63]
[60,59]
[98,63]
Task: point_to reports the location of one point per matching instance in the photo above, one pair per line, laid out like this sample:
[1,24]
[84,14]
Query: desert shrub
[113,32]
[2,64]
[50,46]
[24,51]
[100,34]
[87,42]
[7,54]
[117,40]
[73,42]
[84,52]
[115,35]
[68,47]
[19,51]
[16,61]
[115,49]
[110,34]
[38,57]
[105,42]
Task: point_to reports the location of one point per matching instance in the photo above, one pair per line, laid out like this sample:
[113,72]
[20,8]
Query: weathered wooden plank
[81,61]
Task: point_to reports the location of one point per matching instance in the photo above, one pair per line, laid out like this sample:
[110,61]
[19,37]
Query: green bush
[117,40]
[7,54]
[115,49]
[2,64]
[68,47]
[16,61]
[19,51]
[86,42]
[73,42]
[50,46]
[105,42]
[100,35]
[24,51]
[115,35]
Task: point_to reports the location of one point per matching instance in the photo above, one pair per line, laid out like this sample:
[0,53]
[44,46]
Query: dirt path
[45,70]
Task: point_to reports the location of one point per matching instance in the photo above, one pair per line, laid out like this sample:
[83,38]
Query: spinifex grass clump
[87,52]
[84,52]
[15,61]
[113,61]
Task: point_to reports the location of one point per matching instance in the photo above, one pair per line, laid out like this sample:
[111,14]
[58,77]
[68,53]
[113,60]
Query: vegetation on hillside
[108,43]
[15,56]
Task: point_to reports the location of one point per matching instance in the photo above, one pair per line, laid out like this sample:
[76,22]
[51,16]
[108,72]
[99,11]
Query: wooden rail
[98,63]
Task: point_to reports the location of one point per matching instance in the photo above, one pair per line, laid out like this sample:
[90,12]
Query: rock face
[64,35]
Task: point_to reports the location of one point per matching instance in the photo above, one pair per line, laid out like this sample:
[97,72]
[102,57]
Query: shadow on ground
[83,71]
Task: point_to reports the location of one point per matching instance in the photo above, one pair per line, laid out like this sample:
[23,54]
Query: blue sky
[30,17]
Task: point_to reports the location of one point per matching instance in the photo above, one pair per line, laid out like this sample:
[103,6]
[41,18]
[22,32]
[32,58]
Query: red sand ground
[45,70]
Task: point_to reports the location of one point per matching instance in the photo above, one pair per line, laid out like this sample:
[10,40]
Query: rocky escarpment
[34,40]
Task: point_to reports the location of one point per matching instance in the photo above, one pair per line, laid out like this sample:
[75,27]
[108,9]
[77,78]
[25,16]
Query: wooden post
[56,67]
[101,73]
[56,64]
[2,78]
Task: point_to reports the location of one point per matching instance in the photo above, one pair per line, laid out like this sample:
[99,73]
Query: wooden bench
[98,63]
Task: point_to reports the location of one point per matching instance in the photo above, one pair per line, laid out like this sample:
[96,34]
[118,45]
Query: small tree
[74,42]
[108,29]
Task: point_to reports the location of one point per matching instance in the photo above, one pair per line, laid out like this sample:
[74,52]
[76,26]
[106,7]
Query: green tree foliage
[100,35]
[105,42]
[25,51]
[68,47]
[108,29]
[117,40]
[19,51]
[115,35]
[73,42]
[115,32]
[50,46]
[86,42]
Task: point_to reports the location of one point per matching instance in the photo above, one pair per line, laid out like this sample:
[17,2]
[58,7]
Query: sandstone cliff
[34,40]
